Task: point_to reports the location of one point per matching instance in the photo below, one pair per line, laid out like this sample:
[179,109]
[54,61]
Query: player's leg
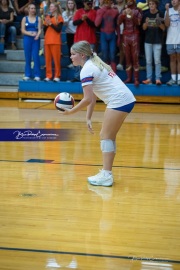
[112,122]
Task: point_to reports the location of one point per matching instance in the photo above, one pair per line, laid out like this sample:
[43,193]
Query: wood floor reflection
[51,218]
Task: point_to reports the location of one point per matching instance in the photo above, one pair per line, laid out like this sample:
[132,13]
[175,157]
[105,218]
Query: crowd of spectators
[121,32]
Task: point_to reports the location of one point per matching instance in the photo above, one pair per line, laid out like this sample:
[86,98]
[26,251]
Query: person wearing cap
[84,19]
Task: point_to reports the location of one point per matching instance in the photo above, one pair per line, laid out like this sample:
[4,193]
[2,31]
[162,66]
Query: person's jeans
[153,50]
[108,47]
[11,31]
[2,30]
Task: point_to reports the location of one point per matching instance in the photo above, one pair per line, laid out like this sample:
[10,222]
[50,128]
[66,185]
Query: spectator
[120,4]
[107,20]
[84,19]
[31,29]
[131,17]
[172,22]
[21,8]
[52,40]
[45,6]
[153,26]
[144,7]
[97,4]
[7,30]
[70,29]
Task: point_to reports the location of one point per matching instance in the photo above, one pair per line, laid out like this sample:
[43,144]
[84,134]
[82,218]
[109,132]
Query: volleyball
[63,100]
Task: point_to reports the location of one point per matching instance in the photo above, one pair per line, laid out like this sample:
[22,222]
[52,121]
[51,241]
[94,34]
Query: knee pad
[108,146]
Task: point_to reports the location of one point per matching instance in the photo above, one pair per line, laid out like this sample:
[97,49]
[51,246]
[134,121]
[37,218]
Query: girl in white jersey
[98,80]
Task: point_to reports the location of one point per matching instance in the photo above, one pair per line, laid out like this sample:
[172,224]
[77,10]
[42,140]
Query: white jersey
[107,86]
[70,27]
[173,31]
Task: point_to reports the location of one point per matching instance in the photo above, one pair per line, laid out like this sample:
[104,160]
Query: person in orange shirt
[52,42]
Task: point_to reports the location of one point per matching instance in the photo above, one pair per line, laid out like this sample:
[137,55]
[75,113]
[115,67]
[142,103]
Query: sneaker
[70,66]
[26,78]
[171,82]
[119,67]
[56,80]
[47,80]
[101,179]
[178,82]
[158,82]
[37,79]
[148,81]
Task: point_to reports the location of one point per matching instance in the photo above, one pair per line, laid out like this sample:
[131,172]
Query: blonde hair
[85,48]
[58,12]
[68,11]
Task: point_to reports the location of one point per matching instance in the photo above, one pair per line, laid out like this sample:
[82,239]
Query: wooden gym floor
[50,218]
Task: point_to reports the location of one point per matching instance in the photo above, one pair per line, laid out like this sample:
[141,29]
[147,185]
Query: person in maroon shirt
[106,19]
[131,17]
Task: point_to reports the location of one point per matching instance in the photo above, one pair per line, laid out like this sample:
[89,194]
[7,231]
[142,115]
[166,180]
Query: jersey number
[111,74]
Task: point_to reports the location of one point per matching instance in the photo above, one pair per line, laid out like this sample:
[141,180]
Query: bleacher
[12,70]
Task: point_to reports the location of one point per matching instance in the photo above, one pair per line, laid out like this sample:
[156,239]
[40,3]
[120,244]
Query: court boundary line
[93,165]
[132,258]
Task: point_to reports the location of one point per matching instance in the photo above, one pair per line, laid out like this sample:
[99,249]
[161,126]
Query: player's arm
[87,99]
[90,109]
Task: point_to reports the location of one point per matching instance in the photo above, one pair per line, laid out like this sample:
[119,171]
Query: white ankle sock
[107,172]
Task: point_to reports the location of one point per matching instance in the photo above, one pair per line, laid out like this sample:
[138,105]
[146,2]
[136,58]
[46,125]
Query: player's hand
[65,111]
[89,125]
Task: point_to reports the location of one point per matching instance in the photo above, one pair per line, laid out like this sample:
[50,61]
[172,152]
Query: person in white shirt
[172,22]
[99,80]
[68,22]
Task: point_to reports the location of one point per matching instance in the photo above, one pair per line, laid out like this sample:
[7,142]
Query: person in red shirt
[84,19]
[106,19]
[52,40]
